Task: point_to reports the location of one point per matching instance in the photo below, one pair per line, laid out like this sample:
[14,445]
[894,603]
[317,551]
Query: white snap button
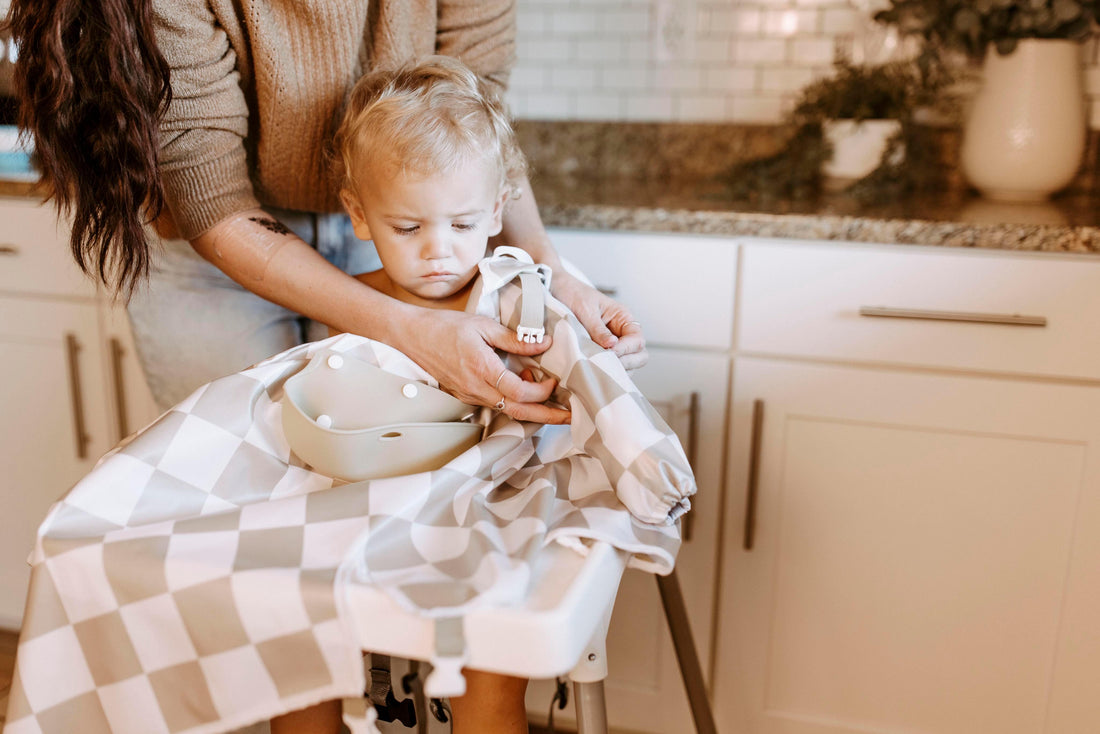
[336,361]
[324,421]
[409,390]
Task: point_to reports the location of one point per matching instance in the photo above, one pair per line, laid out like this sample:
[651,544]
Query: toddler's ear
[355,212]
[497,223]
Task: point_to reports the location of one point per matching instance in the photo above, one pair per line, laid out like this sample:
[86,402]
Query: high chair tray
[571,596]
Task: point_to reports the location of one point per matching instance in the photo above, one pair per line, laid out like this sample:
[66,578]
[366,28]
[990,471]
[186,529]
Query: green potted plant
[1025,134]
[856,122]
[860,108]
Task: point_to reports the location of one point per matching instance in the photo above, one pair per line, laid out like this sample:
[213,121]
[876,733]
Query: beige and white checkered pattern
[188,583]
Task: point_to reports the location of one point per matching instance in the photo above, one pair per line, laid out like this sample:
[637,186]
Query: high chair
[561,629]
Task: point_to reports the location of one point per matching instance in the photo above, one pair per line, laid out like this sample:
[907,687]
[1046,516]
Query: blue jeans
[193,324]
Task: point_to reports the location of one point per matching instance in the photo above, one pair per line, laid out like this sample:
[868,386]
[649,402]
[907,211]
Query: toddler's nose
[436,246]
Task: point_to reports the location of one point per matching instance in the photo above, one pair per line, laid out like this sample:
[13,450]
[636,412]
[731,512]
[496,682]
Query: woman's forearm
[261,254]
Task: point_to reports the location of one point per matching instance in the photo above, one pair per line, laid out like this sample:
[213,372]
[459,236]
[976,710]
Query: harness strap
[532,319]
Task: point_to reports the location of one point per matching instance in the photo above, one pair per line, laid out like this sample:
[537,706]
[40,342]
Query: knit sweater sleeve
[481,33]
[203,162]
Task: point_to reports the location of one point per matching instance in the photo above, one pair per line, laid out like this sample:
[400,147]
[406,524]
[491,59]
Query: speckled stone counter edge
[1034,238]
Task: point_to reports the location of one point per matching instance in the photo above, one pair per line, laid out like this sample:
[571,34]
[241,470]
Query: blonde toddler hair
[432,115]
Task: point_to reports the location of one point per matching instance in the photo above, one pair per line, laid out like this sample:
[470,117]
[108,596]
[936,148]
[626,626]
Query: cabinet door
[132,405]
[53,424]
[922,543]
[644,689]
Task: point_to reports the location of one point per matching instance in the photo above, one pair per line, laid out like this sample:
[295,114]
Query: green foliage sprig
[862,92]
[971,25]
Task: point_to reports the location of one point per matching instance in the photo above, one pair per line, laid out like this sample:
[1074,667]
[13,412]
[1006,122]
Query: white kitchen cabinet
[914,546]
[69,384]
[54,423]
[688,381]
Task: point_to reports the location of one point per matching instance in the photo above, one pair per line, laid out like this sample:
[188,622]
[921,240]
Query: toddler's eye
[462,227]
[405,230]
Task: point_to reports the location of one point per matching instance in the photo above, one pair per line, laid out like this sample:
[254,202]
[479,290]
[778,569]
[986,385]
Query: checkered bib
[195,581]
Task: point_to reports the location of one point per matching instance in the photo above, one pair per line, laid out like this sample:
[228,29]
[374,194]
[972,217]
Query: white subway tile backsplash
[785,79]
[573,23]
[713,50]
[629,21]
[545,49]
[754,108]
[762,51]
[546,105]
[789,21]
[529,75]
[813,50]
[573,76]
[600,49]
[730,79]
[748,21]
[687,60]
[649,107]
[628,78]
[599,106]
[835,21]
[701,107]
[532,22]
[719,20]
[678,78]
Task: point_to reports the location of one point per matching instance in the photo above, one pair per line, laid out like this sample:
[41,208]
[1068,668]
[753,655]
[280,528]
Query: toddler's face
[430,230]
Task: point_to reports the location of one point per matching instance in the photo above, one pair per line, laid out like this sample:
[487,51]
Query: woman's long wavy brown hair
[91,87]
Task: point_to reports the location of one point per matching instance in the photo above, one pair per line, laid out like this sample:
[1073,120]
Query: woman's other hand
[608,322]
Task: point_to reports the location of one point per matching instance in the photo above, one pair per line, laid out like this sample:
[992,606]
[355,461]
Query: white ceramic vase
[857,148]
[1025,133]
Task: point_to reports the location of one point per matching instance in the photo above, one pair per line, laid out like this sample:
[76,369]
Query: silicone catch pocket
[352,420]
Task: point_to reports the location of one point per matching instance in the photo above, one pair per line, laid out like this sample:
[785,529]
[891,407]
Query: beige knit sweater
[258,87]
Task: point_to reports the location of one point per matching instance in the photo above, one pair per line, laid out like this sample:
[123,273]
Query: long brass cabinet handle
[117,352]
[694,406]
[72,353]
[755,443]
[1013,319]
[6,249]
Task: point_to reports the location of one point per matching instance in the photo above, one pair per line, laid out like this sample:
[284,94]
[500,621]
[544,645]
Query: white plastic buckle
[530,334]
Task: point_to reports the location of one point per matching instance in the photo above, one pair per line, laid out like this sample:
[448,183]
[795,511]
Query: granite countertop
[702,206]
[953,219]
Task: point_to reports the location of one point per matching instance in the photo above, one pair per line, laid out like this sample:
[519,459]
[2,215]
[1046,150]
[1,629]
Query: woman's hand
[458,350]
[608,322]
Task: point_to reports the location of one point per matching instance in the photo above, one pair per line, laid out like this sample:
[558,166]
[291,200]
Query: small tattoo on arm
[271,225]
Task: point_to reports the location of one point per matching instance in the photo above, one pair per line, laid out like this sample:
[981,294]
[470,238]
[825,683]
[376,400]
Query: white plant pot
[857,147]
[1025,133]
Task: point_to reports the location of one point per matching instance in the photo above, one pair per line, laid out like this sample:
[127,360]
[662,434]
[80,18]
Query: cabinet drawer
[679,287]
[812,300]
[34,251]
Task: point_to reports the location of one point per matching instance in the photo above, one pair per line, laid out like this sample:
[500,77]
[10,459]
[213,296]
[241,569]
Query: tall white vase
[1025,134]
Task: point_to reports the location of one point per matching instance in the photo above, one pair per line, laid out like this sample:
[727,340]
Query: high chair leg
[676,614]
[591,708]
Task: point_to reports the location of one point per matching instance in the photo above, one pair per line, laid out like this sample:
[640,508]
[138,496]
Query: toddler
[429,159]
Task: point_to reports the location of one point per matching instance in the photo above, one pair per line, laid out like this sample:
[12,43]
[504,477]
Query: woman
[210,118]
